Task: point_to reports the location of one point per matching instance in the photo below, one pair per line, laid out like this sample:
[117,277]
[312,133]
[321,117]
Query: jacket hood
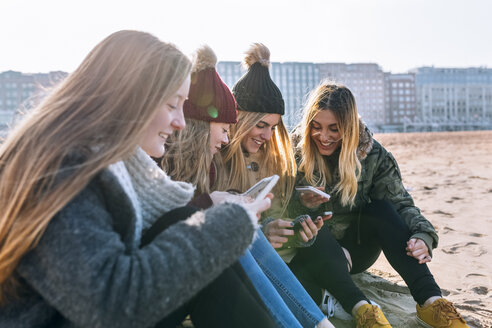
[365,141]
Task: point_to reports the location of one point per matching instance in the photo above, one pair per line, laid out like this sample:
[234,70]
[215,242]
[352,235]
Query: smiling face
[260,133]
[218,136]
[324,132]
[167,118]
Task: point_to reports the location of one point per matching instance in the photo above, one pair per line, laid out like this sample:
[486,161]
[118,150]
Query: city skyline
[397,35]
[426,98]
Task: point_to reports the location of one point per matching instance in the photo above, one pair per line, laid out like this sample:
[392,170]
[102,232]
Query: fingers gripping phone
[260,189]
[312,190]
[297,222]
[301,218]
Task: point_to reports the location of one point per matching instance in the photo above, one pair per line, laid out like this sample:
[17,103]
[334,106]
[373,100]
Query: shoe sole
[423,323]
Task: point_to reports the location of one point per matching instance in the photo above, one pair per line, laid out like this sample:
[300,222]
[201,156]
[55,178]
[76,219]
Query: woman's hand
[417,249]
[277,232]
[310,228]
[311,199]
[223,196]
[257,206]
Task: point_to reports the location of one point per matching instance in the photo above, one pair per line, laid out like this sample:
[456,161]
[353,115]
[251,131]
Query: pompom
[257,53]
[204,57]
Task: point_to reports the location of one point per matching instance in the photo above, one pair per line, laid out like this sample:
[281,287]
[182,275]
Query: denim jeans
[283,294]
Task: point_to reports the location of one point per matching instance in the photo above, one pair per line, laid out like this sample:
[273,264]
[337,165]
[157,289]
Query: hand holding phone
[312,197]
[326,215]
[306,227]
[278,232]
[260,189]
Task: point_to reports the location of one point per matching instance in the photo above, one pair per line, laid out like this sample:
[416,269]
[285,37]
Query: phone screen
[262,187]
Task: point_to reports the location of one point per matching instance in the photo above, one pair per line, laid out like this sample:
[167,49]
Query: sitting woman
[372,211]
[193,155]
[77,185]
[260,147]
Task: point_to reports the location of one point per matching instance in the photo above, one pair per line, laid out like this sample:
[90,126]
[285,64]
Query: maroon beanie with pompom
[209,98]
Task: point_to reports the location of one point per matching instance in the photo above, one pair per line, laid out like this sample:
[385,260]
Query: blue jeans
[282,293]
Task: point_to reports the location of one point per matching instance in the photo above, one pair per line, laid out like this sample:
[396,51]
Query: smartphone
[261,188]
[325,214]
[311,189]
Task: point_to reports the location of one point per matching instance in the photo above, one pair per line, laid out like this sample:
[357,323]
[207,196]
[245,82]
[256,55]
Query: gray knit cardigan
[87,271]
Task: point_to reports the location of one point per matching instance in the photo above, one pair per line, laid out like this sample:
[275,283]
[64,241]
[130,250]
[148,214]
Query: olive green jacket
[380,180]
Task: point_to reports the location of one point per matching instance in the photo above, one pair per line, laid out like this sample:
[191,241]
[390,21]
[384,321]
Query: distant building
[230,72]
[19,91]
[400,99]
[294,80]
[454,95]
[424,99]
[366,81]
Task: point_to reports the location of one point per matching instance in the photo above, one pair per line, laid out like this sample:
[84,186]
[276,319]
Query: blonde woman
[260,146]
[372,211]
[77,186]
[193,155]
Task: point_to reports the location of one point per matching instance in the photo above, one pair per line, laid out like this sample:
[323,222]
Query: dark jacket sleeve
[82,267]
[388,185]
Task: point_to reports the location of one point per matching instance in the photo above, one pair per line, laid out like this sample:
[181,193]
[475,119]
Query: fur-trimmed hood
[365,141]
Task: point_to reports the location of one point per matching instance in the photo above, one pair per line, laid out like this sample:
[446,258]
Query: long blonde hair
[188,158]
[278,157]
[338,99]
[99,113]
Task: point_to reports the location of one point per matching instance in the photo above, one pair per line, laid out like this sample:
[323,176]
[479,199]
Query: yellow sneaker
[440,314]
[371,316]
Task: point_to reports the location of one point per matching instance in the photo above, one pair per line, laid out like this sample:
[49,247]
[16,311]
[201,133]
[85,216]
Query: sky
[51,35]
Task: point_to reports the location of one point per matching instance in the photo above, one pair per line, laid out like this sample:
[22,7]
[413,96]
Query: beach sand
[449,175]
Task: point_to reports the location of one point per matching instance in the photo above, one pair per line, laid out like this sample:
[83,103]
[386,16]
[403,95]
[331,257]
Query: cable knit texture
[123,176]
[151,184]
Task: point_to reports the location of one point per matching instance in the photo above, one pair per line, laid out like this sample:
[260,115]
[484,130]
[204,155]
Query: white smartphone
[311,189]
[261,188]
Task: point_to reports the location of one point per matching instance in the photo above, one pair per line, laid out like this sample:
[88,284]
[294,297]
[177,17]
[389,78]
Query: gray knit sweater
[88,272]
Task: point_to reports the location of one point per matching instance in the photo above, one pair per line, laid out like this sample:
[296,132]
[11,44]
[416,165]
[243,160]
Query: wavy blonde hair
[277,155]
[99,113]
[187,157]
[338,99]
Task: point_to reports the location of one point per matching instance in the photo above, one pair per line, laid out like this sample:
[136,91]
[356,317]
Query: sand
[449,175]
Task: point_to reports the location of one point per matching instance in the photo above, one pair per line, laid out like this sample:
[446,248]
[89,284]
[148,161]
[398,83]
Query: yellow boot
[371,316]
[440,314]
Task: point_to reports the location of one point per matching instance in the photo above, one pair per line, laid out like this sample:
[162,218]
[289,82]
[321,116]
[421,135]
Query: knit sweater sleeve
[84,269]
